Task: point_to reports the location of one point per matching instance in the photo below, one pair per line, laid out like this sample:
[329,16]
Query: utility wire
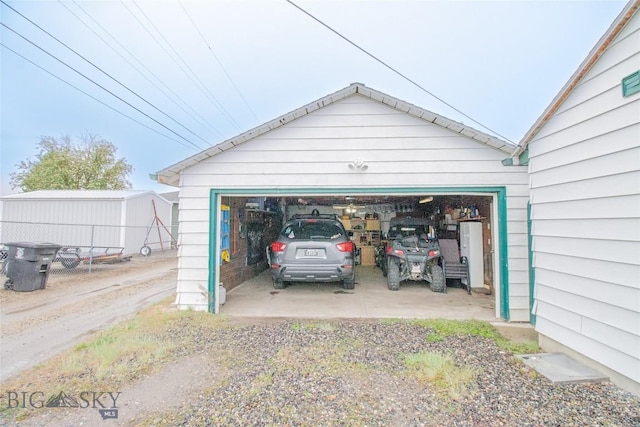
[202,86]
[201,120]
[394,70]
[99,85]
[102,71]
[218,60]
[93,97]
[144,27]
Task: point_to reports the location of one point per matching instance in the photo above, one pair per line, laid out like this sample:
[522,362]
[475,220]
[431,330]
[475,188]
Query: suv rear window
[312,230]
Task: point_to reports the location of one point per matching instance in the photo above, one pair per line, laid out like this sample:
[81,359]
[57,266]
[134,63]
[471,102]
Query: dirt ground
[35,325]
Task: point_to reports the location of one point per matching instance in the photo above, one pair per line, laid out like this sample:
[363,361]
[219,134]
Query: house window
[631,84]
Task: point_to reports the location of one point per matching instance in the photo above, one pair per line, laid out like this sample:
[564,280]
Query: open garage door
[245,225]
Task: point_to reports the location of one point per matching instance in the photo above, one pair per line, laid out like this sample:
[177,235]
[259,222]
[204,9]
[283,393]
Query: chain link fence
[85,248]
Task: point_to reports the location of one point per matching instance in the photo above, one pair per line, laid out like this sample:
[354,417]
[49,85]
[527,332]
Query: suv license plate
[311,252]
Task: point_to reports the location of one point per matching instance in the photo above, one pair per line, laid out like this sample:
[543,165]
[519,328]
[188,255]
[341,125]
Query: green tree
[64,165]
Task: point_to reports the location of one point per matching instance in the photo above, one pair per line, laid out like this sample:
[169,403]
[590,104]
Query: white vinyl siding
[313,152]
[585,195]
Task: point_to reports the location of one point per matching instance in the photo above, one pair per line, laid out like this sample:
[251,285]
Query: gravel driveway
[274,372]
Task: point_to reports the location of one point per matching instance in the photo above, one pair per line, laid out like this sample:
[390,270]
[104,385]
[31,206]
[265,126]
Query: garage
[366,157]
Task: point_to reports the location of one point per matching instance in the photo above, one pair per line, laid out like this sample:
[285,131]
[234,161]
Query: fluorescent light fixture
[426,199]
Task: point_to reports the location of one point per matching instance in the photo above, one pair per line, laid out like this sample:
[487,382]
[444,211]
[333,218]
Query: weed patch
[441,371]
[439,329]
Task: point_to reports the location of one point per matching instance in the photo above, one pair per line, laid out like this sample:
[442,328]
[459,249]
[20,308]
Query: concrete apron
[370,299]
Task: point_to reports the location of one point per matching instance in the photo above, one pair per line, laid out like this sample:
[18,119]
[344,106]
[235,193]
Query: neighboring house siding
[114,221]
[585,196]
[312,152]
[58,221]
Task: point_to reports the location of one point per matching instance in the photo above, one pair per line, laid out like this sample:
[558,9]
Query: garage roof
[171,174]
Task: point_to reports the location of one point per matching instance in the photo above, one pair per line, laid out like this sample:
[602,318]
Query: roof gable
[170,174]
[603,44]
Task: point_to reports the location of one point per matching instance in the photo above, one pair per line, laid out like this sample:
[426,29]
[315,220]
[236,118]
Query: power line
[102,71]
[201,119]
[199,83]
[394,70]
[92,97]
[99,85]
[218,60]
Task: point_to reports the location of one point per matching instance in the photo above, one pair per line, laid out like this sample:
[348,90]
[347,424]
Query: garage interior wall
[314,152]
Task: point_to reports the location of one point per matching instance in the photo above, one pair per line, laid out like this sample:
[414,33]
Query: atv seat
[454,266]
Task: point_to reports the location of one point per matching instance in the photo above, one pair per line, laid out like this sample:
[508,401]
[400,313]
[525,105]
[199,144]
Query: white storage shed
[88,218]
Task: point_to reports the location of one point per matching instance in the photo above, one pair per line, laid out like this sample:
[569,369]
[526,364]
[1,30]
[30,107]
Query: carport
[359,143]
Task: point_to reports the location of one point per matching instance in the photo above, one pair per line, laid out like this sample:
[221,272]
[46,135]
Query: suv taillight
[345,246]
[278,246]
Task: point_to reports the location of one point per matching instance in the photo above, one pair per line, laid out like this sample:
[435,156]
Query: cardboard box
[373,224]
[367,255]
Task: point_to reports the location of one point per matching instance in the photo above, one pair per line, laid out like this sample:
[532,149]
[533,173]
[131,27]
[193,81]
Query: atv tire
[393,275]
[438,282]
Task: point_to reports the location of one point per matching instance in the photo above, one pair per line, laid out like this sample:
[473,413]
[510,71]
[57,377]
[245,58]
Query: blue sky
[209,70]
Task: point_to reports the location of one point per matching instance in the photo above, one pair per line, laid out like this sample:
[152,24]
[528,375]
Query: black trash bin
[28,265]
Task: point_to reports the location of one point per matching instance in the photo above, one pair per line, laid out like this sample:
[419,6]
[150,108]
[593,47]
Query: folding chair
[454,266]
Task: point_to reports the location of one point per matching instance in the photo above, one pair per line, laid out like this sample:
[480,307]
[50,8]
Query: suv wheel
[349,284]
[278,284]
[393,275]
[438,282]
